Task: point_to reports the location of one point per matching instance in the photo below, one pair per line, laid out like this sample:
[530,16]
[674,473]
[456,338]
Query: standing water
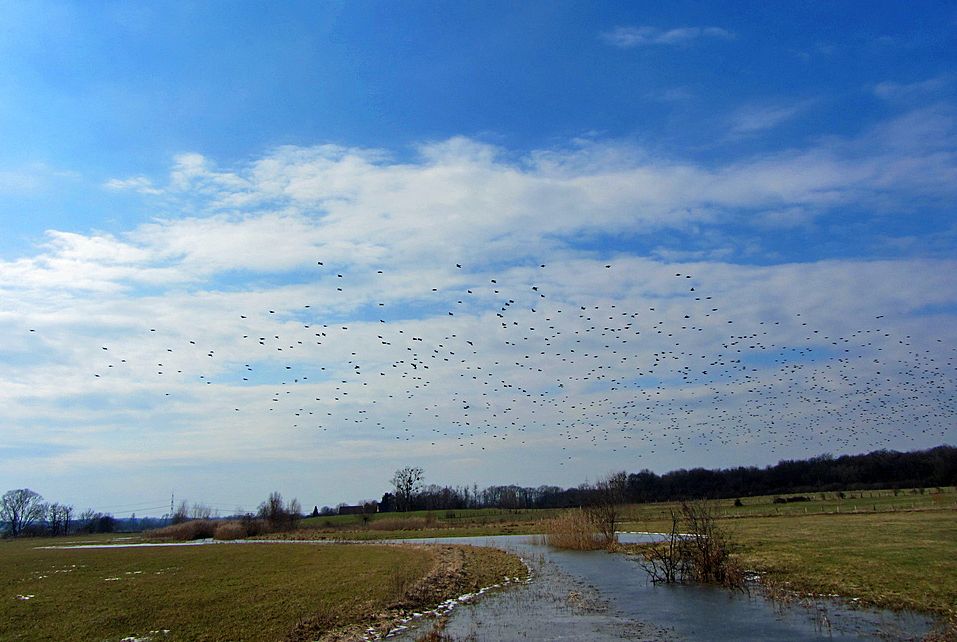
[600,596]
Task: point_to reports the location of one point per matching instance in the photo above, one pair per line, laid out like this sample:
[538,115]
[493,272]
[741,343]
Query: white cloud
[630,37]
[894,91]
[756,118]
[32,178]
[140,184]
[234,277]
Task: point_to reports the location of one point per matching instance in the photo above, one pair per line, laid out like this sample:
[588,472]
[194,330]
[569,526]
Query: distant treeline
[881,469]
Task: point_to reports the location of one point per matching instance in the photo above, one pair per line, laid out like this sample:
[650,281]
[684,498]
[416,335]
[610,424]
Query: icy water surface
[601,596]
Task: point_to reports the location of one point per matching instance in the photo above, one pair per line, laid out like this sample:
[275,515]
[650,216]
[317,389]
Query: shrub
[696,550]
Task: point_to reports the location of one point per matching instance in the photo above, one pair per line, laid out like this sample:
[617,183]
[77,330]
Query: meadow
[503,521]
[894,549]
[226,592]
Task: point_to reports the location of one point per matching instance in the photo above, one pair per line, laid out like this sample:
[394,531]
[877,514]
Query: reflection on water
[601,596]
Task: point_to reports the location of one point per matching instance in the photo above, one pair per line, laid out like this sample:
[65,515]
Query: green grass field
[220,592]
[897,560]
[489,521]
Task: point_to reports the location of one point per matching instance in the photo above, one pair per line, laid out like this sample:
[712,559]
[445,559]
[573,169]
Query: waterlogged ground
[601,596]
[598,596]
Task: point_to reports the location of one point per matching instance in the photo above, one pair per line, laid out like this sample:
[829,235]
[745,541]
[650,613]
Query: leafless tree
[277,514]
[201,511]
[59,517]
[607,500]
[407,482]
[20,508]
[181,514]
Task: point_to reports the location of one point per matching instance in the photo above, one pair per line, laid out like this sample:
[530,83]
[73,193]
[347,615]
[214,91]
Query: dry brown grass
[230,530]
[575,530]
[193,529]
[399,524]
[206,528]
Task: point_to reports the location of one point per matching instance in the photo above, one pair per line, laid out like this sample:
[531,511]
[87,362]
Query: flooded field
[601,596]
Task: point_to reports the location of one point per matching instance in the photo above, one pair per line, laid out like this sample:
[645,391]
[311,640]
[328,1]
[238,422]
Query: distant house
[359,509]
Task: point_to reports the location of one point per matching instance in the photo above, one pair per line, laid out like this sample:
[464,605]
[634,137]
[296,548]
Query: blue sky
[172,164]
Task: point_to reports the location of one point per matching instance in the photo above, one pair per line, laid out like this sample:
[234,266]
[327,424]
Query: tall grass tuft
[575,530]
[193,529]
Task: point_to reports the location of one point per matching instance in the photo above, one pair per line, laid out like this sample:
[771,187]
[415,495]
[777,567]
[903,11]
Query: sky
[297,246]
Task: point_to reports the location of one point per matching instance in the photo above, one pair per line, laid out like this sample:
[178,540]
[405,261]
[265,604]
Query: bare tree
[407,483]
[277,514]
[608,497]
[201,511]
[58,518]
[181,514]
[20,508]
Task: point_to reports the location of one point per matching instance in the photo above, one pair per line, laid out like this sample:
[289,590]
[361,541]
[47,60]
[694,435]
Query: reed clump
[576,530]
[185,531]
[209,528]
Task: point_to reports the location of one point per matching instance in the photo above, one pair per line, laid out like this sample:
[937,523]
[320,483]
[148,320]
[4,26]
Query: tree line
[880,469]
[24,512]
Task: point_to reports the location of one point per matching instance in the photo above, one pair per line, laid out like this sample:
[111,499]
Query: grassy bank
[224,592]
[895,560]
[892,559]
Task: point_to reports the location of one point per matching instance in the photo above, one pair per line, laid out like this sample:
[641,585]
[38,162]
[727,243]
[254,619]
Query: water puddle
[601,596]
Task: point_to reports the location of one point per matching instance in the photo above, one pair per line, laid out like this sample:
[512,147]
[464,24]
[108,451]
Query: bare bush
[696,550]
[666,562]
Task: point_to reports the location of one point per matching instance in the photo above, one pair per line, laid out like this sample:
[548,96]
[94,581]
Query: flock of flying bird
[503,362]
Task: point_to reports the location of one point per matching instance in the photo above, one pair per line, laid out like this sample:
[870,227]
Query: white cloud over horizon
[131,347]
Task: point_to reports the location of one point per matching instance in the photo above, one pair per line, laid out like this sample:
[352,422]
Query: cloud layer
[343,307]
